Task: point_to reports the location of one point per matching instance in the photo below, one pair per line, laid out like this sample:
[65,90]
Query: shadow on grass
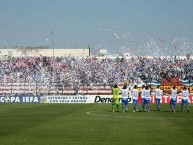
[170,111]
[152,110]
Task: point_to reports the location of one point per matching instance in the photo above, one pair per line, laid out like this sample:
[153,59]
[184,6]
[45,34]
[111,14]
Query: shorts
[173,101]
[185,101]
[115,100]
[157,100]
[147,101]
[134,101]
[124,101]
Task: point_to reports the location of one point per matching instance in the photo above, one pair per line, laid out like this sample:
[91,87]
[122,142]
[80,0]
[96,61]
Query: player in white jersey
[142,96]
[173,98]
[135,95]
[185,94]
[158,96]
[125,96]
[147,94]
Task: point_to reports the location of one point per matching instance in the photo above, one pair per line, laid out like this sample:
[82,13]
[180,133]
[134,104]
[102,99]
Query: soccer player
[147,95]
[143,97]
[173,97]
[158,96]
[124,94]
[115,99]
[135,94]
[185,94]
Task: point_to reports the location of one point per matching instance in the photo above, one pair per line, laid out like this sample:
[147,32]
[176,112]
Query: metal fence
[12,88]
[64,88]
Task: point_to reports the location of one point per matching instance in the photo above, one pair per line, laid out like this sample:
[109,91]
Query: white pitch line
[132,117]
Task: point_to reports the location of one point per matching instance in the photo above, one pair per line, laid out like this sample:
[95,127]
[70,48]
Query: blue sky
[77,23]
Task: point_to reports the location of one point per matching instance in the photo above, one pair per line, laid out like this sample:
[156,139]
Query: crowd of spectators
[75,71]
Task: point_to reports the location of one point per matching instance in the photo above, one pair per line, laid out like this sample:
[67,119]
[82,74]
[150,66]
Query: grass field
[92,124]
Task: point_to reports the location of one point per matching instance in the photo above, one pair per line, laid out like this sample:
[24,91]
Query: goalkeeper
[115,99]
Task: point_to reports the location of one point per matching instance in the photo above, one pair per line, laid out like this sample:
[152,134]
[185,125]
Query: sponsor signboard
[107,99]
[76,99]
[166,99]
[66,99]
[20,99]
[99,99]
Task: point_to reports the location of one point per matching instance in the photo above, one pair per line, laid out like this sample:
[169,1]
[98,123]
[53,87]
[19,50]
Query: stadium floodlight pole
[163,84]
[89,49]
[53,41]
[189,67]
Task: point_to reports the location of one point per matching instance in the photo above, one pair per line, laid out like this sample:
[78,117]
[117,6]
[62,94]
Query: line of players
[145,95]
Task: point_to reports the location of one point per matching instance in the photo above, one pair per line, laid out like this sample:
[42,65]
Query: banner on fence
[66,99]
[76,99]
[99,99]
[20,99]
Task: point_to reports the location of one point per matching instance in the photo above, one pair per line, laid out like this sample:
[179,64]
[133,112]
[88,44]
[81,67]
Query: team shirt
[135,94]
[185,94]
[158,93]
[115,92]
[147,94]
[125,93]
[173,94]
[143,93]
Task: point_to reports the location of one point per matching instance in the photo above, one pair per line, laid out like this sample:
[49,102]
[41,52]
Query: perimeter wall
[44,52]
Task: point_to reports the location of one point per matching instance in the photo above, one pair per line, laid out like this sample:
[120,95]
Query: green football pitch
[92,124]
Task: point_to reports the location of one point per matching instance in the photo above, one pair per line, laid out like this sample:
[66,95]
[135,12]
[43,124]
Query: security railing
[26,88]
[64,88]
